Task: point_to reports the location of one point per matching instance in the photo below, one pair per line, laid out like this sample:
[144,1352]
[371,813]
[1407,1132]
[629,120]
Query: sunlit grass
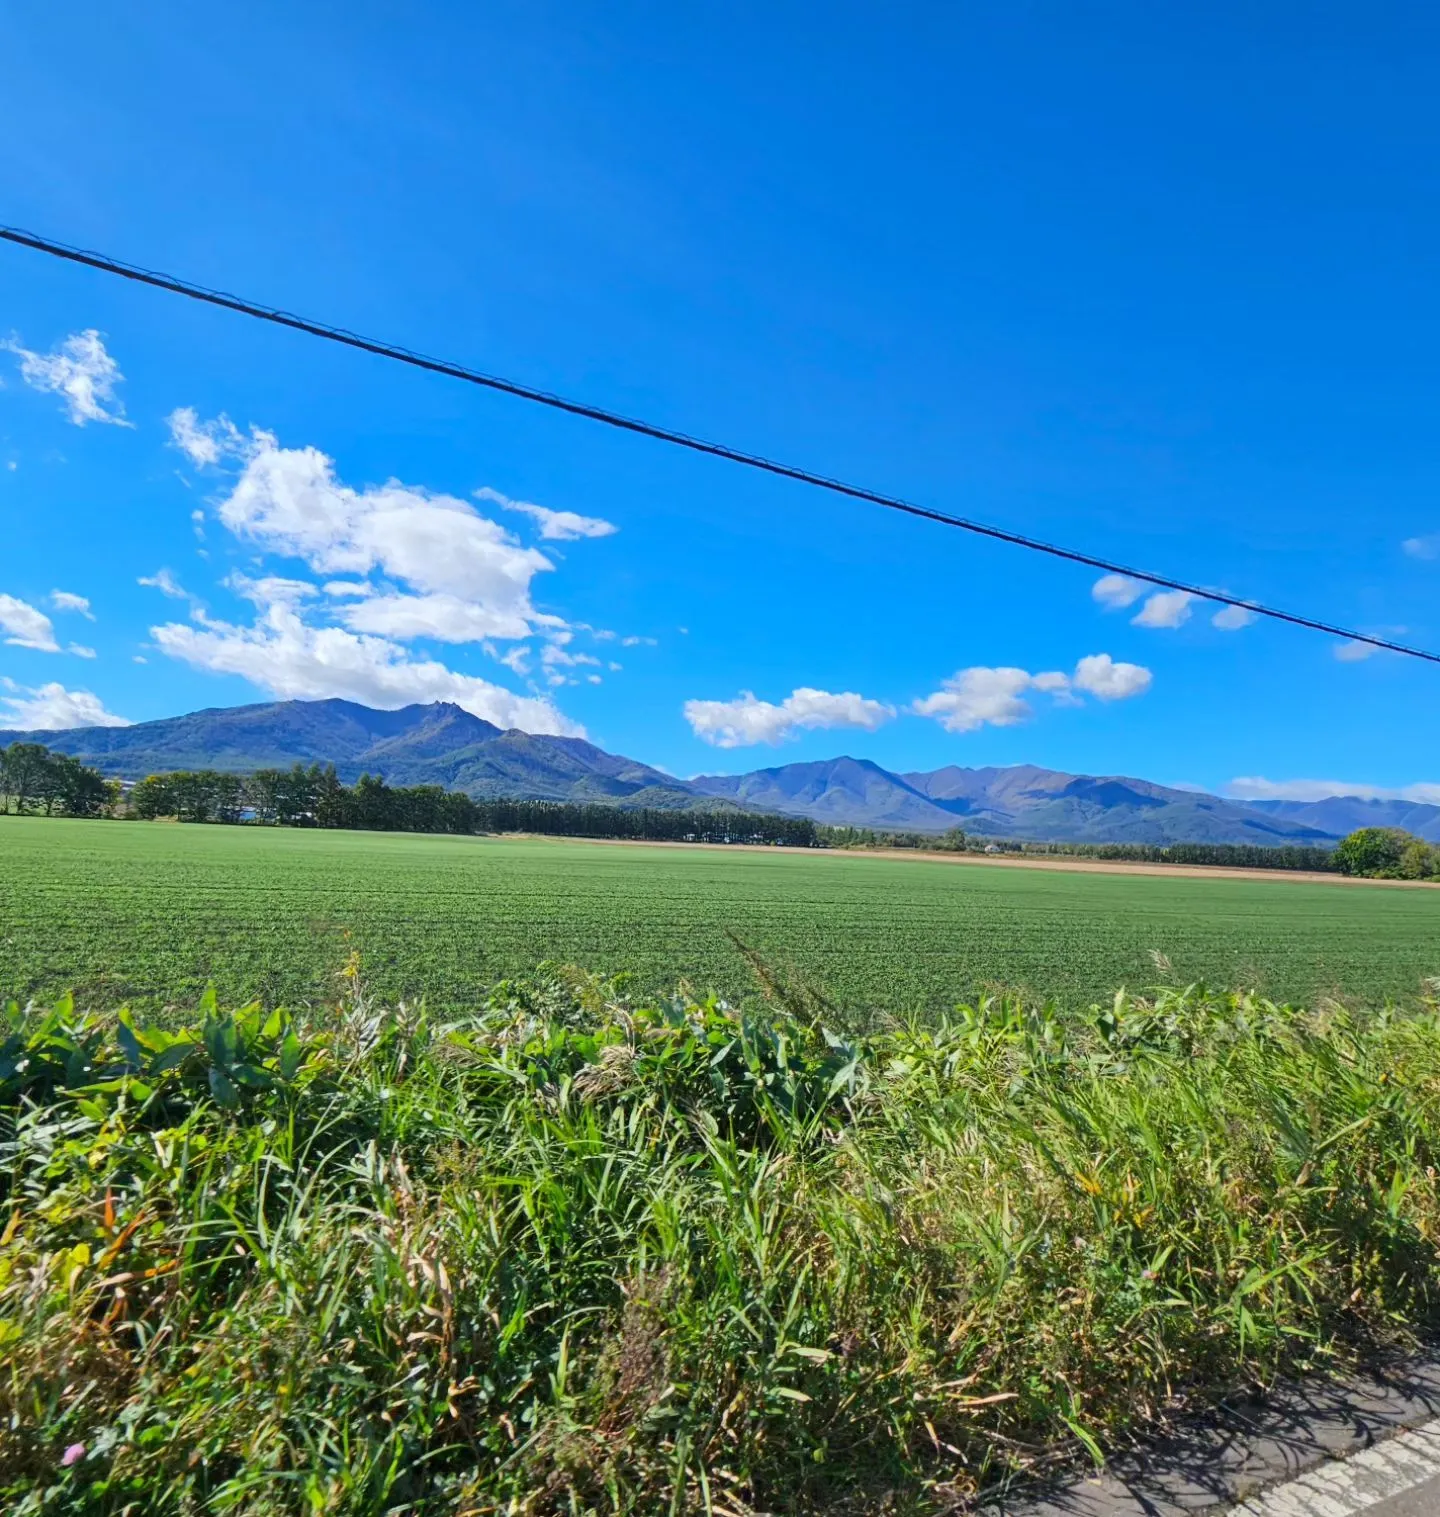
[584,1251]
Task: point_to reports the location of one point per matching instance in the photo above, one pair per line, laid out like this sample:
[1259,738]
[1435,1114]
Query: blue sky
[1155,282]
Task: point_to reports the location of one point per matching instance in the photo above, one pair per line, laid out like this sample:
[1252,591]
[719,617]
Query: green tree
[1373,851]
[1419,861]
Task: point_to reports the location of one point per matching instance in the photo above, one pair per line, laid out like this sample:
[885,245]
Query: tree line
[316,797]
[33,779]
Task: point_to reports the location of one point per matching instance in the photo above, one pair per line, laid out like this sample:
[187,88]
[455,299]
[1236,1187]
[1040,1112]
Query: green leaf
[222,1042]
[129,1043]
[173,1057]
[247,1074]
[291,1055]
[223,1089]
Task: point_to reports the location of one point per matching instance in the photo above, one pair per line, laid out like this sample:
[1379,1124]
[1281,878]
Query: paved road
[1418,1501]
[1397,1478]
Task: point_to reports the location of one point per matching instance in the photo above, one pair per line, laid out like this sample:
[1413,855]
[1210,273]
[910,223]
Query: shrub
[576,1252]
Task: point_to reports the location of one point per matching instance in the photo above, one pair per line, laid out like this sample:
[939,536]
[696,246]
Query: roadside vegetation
[579,1250]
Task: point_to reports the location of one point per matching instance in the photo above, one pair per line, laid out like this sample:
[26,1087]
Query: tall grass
[579,1252]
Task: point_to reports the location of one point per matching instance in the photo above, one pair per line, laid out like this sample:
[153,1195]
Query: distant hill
[440,744]
[1344,813]
[443,744]
[1042,805]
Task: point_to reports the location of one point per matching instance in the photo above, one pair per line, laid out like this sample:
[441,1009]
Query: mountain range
[443,744]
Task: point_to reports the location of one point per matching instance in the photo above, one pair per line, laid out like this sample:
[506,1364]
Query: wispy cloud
[557,526]
[1257,788]
[205,443]
[81,372]
[747,720]
[1423,547]
[26,626]
[166,583]
[1355,652]
[64,600]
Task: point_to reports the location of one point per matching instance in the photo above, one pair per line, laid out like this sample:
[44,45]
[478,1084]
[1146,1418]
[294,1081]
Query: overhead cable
[177,286]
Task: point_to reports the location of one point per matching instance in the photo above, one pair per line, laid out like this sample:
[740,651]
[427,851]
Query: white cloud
[343,587]
[1257,788]
[25,626]
[446,618]
[81,371]
[270,590]
[52,708]
[1099,675]
[1167,608]
[290,501]
[63,600]
[1416,547]
[557,526]
[641,642]
[296,661]
[747,720]
[80,651]
[1232,618]
[204,442]
[166,583]
[982,697]
[1116,591]
[1355,652]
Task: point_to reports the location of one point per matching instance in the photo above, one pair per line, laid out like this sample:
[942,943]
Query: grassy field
[152,912]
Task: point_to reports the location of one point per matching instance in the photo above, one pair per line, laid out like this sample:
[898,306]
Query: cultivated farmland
[151,912]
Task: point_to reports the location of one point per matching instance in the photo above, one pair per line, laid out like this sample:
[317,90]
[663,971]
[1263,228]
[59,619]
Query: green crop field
[150,913]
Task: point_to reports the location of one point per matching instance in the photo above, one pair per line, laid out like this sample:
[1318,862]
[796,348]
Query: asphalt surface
[1418,1501]
[1317,1449]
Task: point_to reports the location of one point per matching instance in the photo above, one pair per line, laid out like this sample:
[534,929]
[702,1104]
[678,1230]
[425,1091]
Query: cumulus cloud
[52,708]
[1116,591]
[290,501]
[982,697]
[291,659]
[81,372]
[1423,547]
[1166,608]
[1100,675]
[747,720]
[26,626]
[1257,788]
[393,563]
[63,600]
[1232,618]
[558,526]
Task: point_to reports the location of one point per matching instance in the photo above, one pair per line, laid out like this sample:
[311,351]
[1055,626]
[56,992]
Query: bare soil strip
[1003,861]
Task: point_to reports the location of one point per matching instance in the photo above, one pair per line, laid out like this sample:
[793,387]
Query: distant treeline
[1223,855]
[32,778]
[315,797]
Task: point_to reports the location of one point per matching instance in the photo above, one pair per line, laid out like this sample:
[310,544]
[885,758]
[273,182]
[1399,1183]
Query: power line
[280,318]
